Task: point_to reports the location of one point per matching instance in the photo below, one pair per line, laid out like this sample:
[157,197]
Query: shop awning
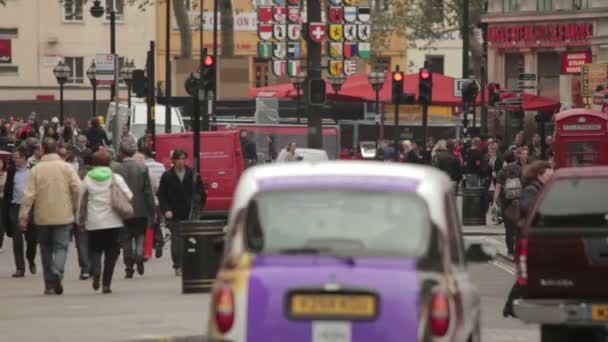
[536,103]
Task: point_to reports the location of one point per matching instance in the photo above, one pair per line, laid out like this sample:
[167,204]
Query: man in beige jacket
[53,192]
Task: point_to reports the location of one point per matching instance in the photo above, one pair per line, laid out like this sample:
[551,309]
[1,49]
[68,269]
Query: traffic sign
[527,77]
[458,82]
[512,101]
[527,87]
[104,68]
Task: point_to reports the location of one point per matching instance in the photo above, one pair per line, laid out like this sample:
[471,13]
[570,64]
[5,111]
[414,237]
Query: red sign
[6,56]
[572,62]
[573,34]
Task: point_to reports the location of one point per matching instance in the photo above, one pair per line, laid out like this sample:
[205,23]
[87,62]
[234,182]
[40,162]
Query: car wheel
[557,333]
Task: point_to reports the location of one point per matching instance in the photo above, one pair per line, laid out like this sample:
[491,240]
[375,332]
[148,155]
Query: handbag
[120,202]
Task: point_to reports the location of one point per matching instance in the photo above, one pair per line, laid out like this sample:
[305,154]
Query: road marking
[504,267]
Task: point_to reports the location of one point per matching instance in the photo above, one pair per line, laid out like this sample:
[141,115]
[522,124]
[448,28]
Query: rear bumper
[557,311]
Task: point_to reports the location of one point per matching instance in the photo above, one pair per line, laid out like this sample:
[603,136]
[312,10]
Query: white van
[138,117]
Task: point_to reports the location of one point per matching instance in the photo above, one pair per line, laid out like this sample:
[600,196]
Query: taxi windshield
[352,222]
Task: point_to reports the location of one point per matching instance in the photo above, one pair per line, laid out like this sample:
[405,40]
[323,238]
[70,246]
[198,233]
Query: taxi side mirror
[480,252]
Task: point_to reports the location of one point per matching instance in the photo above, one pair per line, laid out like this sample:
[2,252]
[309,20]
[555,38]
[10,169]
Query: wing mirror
[480,252]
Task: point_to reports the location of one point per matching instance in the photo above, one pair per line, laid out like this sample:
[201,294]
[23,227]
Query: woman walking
[2,182]
[98,216]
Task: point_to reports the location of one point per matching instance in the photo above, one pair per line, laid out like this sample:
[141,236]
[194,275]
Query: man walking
[14,192]
[53,192]
[136,176]
[181,196]
[155,171]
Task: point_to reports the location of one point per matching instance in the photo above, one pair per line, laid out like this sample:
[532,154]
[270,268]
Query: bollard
[473,207]
[201,245]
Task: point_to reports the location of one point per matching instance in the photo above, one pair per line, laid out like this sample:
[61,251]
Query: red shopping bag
[149,244]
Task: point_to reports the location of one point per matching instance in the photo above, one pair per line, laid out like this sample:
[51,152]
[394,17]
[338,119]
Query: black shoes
[140,268]
[58,288]
[129,273]
[18,274]
[159,252]
[106,290]
[84,276]
[32,267]
[178,272]
[95,283]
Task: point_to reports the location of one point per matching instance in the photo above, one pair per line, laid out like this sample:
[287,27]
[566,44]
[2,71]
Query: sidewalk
[493,234]
[148,307]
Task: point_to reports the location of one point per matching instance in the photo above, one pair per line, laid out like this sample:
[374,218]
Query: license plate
[599,312]
[353,306]
[331,332]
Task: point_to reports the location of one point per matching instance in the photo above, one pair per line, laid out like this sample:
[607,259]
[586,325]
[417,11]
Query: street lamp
[97,11]
[298,83]
[377,79]
[126,75]
[92,77]
[62,72]
[337,82]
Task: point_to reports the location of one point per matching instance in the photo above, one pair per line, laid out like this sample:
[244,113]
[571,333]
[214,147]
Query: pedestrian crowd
[60,183]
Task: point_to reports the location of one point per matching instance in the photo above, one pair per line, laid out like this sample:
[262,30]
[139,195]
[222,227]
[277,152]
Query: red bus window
[582,153]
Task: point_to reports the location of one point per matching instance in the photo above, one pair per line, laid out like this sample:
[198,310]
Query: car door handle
[221,173]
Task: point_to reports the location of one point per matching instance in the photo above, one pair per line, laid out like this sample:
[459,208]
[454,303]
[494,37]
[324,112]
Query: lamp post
[298,83]
[98,11]
[336,84]
[62,72]
[377,79]
[92,77]
[126,75]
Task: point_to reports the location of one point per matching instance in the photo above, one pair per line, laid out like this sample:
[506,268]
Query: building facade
[245,70]
[444,54]
[36,34]
[552,38]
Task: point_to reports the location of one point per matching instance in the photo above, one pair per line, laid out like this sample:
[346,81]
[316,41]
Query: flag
[265,31]
[350,67]
[350,50]
[294,50]
[364,50]
[294,68]
[350,14]
[336,68]
[363,13]
[335,50]
[264,50]
[335,32]
[265,14]
[279,68]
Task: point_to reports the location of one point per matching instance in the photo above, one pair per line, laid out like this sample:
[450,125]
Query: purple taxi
[345,251]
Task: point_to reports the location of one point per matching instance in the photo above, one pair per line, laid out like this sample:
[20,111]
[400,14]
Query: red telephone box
[581,138]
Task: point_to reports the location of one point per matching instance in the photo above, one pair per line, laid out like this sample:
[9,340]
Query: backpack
[513,188]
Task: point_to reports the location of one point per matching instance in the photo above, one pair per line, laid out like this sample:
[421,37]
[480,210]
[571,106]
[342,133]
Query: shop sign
[243,21]
[582,127]
[594,75]
[6,54]
[562,34]
[572,62]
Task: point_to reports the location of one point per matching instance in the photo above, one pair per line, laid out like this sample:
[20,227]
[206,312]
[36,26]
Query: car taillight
[224,309]
[522,262]
[440,314]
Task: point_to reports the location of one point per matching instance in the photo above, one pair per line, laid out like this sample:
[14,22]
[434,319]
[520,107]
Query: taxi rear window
[348,221]
[574,202]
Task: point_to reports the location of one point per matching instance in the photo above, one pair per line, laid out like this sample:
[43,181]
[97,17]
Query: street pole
[215,33]
[61,103]
[113,92]
[381,133]
[484,79]
[196,145]
[396,133]
[129,92]
[465,39]
[298,88]
[313,63]
[425,124]
[95,99]
[168,69]
[151,110]
[116,128]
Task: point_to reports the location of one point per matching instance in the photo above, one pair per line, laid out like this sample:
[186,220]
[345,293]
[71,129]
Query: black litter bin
[473,213]
[201,253]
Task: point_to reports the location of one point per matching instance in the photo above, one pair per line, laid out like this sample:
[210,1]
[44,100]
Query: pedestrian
[17,178]
[37,153]
[53,193]
[446,161]
[181,196]
[249,148]
[100,220]
[536,175]
[155,171]
[2,183]
[96,136]
[491,165]
[136,176]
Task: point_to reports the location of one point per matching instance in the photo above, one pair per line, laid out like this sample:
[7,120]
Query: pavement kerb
[194,338]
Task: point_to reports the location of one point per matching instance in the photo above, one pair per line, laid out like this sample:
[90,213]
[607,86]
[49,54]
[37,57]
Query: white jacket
[100,214]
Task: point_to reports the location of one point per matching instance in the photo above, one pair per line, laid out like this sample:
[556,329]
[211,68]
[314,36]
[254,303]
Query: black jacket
[96,137]
[487,169]
[179,197]
[448,163]
[528,197]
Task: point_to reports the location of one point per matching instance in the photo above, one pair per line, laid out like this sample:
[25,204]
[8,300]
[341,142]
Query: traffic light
[209,73]
[397,78]
[493,95]
[140,83]
[425,86]
[469,90]
[191,84]
[316,91]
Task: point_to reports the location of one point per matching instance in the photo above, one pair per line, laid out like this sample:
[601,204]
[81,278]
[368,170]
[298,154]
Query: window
[544,5]
[72,10]
[582,153]
[454,234]
[261,72]
[435,64]
[8,32]
[76,65]
[9,69]
[512,65]
[120,8]
[510,5]
[580,4]
[383,63]
[348,221]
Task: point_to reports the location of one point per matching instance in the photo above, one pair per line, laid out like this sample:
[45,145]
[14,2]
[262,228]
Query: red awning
[536,103]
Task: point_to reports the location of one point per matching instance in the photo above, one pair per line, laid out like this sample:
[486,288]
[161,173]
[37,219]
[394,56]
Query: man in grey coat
[136,176]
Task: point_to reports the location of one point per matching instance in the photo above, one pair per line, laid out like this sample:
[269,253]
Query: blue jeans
[54,242]
[133,240]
